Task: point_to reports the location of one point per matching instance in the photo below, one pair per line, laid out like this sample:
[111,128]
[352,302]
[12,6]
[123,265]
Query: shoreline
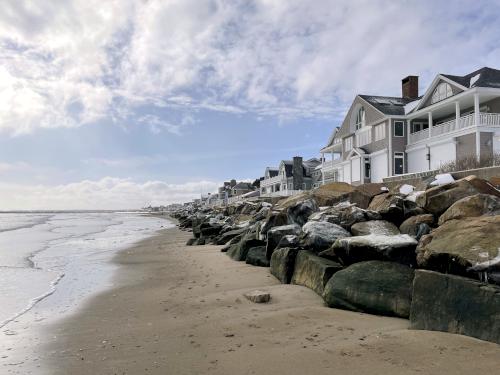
[180,310]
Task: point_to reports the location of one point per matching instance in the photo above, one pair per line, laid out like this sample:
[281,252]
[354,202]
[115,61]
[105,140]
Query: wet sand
[181,310]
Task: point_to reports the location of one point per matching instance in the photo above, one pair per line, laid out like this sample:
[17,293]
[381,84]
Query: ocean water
[51,262]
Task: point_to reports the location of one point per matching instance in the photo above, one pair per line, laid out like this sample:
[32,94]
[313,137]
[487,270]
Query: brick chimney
[298,173]
[409,87]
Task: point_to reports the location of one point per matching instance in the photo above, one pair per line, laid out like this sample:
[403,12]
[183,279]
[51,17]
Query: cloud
[67,63]
[106,193]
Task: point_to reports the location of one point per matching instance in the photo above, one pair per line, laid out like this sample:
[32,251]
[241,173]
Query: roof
[388,105]
[243,185]
[487,77]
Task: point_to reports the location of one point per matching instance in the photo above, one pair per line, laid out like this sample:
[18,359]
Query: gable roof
[388,105]
[243,185]
[486,77]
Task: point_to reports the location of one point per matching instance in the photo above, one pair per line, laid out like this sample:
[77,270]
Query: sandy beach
[181,310]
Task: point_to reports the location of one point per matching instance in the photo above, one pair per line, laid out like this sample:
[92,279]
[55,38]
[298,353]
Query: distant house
[242,188]
[290,176]
[383,136]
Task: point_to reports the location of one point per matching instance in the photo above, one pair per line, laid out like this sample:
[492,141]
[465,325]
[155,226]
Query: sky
[125,103]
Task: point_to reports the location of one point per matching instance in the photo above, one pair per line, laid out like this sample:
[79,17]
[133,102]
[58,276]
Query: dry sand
[181,310]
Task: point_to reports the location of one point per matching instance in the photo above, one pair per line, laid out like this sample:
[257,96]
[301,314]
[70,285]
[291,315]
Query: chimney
[233,182]
[409,87]
[298,173]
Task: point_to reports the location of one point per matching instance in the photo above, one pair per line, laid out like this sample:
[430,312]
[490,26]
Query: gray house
[383,136]
[291,176]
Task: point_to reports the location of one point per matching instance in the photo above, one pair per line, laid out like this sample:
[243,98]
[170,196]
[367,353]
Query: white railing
[489,119]
[282,193]
[464,122]
[327,165]
[419,136]
[270,181]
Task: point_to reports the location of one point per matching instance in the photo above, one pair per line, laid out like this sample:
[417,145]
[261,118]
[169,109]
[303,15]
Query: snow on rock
[474,79]
[412,197]
[442,179]
[406,189]
[383,188]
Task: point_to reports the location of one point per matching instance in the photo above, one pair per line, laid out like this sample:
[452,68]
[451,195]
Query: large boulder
[474,205]
[283,264]
[363,194]
[312,271]
[399,248]
[345,214]
[274,219]
[289,241]
[467,247]
[229,235]
[438,199]
[239,251]
[375,287]
[320,235]
[300,212]
[275,234]
[390,206]
[382,227]
[411,225]
[257,257]
[455,304]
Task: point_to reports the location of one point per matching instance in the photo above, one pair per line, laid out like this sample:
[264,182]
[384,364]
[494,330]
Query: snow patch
[442,179]
[474,79]
[412,197]
[410,106]
[406,189]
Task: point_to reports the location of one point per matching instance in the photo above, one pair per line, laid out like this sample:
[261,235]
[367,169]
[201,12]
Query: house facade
[457,117]
[291,176]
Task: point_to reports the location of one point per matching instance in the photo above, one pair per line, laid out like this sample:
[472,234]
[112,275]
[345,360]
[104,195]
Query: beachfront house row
[291,176]
[457,117]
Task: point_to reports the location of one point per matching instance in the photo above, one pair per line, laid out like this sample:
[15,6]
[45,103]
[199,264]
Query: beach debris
[258,296]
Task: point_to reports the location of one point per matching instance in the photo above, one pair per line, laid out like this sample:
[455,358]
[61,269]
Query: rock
[399,248]
[319,235]
[239,251]
[411,225]
[274,219]
[275,234]
[289,241]
[283,264]
[438,199]
[374,227]
[363,194]
[191,241]
[210,229]
[375,287]
[467,247]
[229,235]
[261,214]
[345,214]
[455,304]
[312,271]
[257,257]
[300,212]
[331,193]
[390,206]
[474,205]
[258,296]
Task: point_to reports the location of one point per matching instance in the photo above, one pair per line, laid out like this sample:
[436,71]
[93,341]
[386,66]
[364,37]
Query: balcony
[452,126]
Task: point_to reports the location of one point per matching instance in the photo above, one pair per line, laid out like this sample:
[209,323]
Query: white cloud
[106,193]
[67,63]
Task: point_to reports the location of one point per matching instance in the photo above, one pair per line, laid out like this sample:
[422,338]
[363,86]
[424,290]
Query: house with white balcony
[456,117]
[292,176]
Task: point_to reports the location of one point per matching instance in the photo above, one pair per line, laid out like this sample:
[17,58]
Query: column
[430,124]
[457,115]
[408,128]
[476,124]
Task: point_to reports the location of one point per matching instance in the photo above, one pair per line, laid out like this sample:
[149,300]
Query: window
[348,144]
[399,128]
[399,162]
[442,91]
[360,118]
[379,132]
[418,126]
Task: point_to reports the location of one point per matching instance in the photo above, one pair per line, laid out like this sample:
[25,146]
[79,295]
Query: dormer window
[442,91]
[360,118]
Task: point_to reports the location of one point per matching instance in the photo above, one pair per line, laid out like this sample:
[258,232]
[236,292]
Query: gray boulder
[345,214]
[411,225]
[289,241]
[239,251]
[283,264]
[229,235]
[382,227]
[257,257]
[300,212]
[274,235]
[312,271]
[319,235]
[274,219]
[455,304]
[375,287]
[399,248]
